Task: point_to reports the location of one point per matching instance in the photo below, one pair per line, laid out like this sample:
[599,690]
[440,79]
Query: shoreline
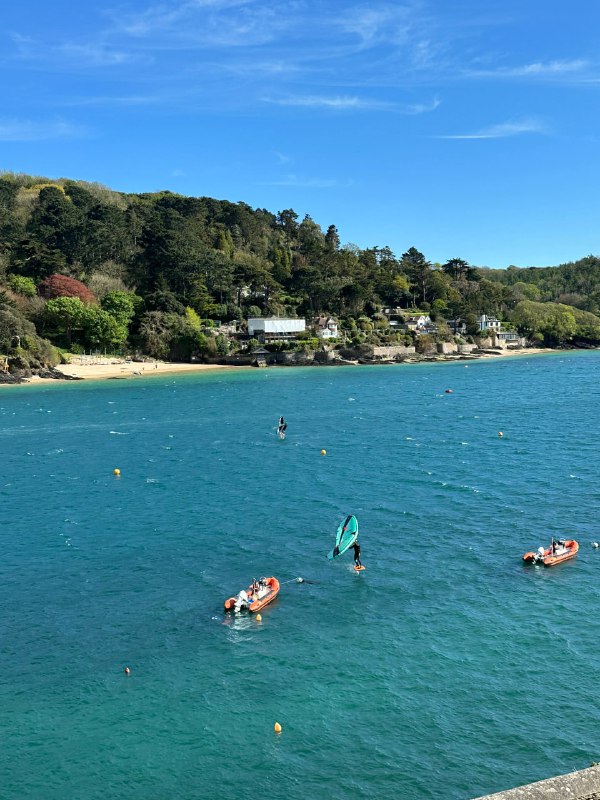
[112,369]
[124,370]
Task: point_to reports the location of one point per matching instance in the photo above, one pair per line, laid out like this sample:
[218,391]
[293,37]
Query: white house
[489,323]
[420,322]
[275,329]
[326,327]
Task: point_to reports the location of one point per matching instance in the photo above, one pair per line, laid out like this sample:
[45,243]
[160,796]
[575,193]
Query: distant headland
[89,273]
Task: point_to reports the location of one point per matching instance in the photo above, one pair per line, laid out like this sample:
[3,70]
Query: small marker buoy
[500,434]
[258,618]
[277,727]
[116,472]
[127,671]
[449,391]
[323,452]
[595,544]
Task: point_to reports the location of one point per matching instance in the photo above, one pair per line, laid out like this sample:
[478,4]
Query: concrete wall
[582,785]
[466,349]
[393,350]
[447,348]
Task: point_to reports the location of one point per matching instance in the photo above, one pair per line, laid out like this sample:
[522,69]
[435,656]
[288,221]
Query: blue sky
[465,128]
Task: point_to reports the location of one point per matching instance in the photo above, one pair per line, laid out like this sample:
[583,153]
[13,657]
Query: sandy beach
[114,369]
[120,370]
[131,369]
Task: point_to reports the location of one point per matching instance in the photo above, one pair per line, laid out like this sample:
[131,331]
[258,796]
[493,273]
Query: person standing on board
[356,548]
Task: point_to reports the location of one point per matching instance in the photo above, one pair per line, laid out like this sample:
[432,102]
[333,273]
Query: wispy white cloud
[339,103]
[197,23]
[96,55]
[537,69]
[352,103]
[255,69]
[25,46]
[304,183]
[282,158]
[118,101]
[22,130]
[423,108]
[375,23]
[161,17]
[501,130]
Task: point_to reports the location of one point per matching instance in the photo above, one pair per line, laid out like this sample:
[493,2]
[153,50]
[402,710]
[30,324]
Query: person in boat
[242,601]
[356,548]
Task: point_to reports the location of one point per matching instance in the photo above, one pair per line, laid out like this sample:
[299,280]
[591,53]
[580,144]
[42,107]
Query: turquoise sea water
[447,669]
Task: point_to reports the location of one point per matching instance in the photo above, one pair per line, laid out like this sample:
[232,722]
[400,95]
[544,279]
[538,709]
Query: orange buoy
[116,472]
[277,727]
[127,671]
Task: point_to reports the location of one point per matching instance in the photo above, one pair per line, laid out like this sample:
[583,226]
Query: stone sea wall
[581,785]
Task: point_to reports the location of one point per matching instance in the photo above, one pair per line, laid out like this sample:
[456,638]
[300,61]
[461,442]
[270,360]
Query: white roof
[276,324]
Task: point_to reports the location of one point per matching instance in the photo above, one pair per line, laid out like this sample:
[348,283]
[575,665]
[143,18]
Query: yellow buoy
[277,727]
[323,452]
[258,618]
[500,434]
[116,471]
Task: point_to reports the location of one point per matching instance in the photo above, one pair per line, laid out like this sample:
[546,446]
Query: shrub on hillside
[62,286]
[20,284]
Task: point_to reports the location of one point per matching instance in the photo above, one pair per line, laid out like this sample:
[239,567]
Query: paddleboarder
[281,428]
[356,548]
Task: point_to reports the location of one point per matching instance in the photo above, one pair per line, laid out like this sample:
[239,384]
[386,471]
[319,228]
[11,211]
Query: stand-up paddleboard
[346,535]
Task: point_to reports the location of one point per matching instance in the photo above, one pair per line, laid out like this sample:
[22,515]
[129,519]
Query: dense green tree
[102,330]
[121,305]
[155,334]
[64,315]
[33,258]
[418,269]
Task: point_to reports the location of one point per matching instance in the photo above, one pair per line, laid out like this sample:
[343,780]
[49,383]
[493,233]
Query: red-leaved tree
[62,286]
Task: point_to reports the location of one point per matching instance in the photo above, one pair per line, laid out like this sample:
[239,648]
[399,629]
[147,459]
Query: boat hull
[550,559]
[272,585]
[571,547]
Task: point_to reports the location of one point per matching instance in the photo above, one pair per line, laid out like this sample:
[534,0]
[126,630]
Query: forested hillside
[85,267]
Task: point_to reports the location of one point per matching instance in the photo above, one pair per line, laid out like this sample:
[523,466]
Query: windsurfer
[281,427]
[356,548]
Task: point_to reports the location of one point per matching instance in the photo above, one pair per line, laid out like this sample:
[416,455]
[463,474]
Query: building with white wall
[275,329]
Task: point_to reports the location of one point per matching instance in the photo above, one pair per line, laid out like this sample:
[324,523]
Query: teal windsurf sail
[346,535]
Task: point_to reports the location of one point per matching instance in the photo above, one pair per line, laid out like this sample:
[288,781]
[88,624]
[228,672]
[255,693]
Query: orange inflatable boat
[559,551]
[259,594]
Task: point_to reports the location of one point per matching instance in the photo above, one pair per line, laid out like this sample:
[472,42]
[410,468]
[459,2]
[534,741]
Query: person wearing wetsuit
[356,548]
[282,427]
